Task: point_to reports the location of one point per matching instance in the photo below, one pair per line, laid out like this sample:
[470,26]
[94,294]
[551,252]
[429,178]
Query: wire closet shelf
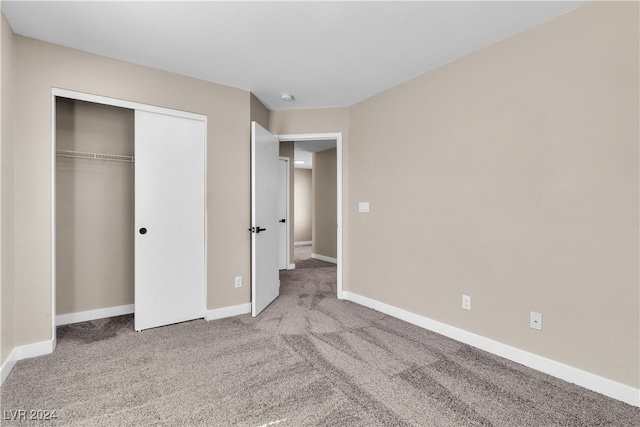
[95,156]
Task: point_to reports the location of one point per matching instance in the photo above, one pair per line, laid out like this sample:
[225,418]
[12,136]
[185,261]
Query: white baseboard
[221,313]
[8,365]
[568,373]
[324,258]
[100,313]
[291,267]
[25,352]
[307,243]
[36,349]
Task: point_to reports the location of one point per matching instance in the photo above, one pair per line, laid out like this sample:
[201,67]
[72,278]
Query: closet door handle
[143,230]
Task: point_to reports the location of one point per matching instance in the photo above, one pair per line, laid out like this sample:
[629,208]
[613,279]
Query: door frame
[287,193]
[115,102]
[339,229]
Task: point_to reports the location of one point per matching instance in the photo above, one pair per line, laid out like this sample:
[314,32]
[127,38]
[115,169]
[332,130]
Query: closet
[129,212]
[94,207]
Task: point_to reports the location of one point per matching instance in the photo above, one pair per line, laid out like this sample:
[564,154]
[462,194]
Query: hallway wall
[302,209]
[324,204]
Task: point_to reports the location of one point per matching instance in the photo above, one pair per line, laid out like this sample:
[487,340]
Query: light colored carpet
[307,360]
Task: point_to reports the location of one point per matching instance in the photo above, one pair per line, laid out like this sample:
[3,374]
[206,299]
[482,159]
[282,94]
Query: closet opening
[94,217]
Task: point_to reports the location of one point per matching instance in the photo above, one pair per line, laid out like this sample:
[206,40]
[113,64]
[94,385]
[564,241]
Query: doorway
[337,137]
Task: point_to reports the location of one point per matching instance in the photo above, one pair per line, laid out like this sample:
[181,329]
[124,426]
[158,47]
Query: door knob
[257,229]
[143,230]
[283,220]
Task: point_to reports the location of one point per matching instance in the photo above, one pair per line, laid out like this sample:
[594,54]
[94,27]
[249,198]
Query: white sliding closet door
[169,219]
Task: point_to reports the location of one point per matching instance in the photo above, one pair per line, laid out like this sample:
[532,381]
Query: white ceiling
[327,54]
[303,150]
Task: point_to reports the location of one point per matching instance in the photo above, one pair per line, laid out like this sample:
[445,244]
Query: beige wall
[323,120]
[258,112]
[302,208]
[40,66]
[7,199]
[324,216]
[287,149]
[513,179]
[94,208]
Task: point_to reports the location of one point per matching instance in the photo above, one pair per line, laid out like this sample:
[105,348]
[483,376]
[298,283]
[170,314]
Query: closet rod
[100,156]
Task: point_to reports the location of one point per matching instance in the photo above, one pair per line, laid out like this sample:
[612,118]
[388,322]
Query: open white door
[265,183]
[169,219]
[283,215]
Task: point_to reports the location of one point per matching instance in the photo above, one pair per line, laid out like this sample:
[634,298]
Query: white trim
[234,310]
[338,137]
[206,214]
[306,243]
[36,349]
[100,313]
[25,352]
[8,365]
[568,373]
[339,225]
[287,217]
[291,266]
[52,203]
[324,258]
[81,96]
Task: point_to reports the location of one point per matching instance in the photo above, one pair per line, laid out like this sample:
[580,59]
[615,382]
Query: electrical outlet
[535,321]
[238,281]
[466,302]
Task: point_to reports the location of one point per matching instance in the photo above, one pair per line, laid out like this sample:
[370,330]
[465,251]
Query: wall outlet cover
[466,302]
[535,321]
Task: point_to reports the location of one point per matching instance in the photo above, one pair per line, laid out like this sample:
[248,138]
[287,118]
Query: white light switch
[363,207]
